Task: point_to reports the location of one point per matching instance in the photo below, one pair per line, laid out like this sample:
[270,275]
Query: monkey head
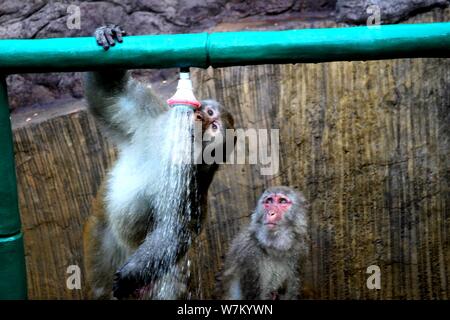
[214,120]
[279,220]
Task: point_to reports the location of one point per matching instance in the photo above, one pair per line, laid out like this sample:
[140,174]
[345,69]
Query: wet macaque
[142,222]
[263,260]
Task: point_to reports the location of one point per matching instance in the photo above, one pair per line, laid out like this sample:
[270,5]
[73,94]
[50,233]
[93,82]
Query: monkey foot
[124,287]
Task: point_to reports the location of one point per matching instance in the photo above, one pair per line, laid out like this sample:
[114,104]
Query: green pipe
[9,210]
[12,258]
[228,48]
[13,280]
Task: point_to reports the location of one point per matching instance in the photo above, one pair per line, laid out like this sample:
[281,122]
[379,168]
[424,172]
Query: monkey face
[275,206]
[279,218]
[215,120]
[209,115]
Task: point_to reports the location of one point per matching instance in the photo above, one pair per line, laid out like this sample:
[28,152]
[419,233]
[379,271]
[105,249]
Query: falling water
[176,198]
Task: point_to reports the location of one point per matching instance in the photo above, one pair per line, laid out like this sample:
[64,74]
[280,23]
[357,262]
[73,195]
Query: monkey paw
[105,35]
[126,283]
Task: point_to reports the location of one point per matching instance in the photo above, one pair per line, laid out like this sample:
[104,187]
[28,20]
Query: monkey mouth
[270,225]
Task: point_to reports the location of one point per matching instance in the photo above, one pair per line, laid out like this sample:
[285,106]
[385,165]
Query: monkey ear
[304,203]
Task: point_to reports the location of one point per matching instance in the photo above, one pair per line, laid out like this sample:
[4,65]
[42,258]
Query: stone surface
[392,11]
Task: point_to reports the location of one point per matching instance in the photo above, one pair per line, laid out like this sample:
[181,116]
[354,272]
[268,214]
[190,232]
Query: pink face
[275,206]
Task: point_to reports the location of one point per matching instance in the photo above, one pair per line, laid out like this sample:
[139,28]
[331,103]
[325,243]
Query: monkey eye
[282,200]
[214,125]
[269,200]
[210,112]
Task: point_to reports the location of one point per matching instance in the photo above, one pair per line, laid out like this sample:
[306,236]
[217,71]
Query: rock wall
[355,11]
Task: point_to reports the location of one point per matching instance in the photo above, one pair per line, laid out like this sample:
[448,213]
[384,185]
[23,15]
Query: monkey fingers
[118,32]
[105,35]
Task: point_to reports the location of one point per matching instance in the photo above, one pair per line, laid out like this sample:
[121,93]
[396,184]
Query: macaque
[126,249]
[263,260]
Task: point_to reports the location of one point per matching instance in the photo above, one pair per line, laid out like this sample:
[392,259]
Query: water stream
[176,199]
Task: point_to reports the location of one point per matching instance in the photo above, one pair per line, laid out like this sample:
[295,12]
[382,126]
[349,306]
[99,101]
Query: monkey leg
[102,256]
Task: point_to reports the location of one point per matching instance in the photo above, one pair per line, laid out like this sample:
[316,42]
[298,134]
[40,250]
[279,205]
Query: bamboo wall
[367,142]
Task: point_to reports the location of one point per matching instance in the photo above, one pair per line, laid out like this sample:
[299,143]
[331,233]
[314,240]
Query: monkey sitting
[263,260]
[126,249]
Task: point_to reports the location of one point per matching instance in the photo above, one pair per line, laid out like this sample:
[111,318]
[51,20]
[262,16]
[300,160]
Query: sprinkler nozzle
[184,96]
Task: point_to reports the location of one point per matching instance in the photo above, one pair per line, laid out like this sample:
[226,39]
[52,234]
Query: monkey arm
[293,288]
[241,281]
[114,98]
[241,277]
[160,251]
[102,91]
[119,102]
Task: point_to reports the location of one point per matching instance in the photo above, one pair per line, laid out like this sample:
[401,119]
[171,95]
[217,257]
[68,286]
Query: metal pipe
[9,209]
[13,280]
[12,259]
[228,48]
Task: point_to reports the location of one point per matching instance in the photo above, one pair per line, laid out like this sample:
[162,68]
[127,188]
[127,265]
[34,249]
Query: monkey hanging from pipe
[125,248]
[263,260]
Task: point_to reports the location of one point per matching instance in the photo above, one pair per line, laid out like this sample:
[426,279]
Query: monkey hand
[141,270]
[153,259]
[128,281]
[106,35]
